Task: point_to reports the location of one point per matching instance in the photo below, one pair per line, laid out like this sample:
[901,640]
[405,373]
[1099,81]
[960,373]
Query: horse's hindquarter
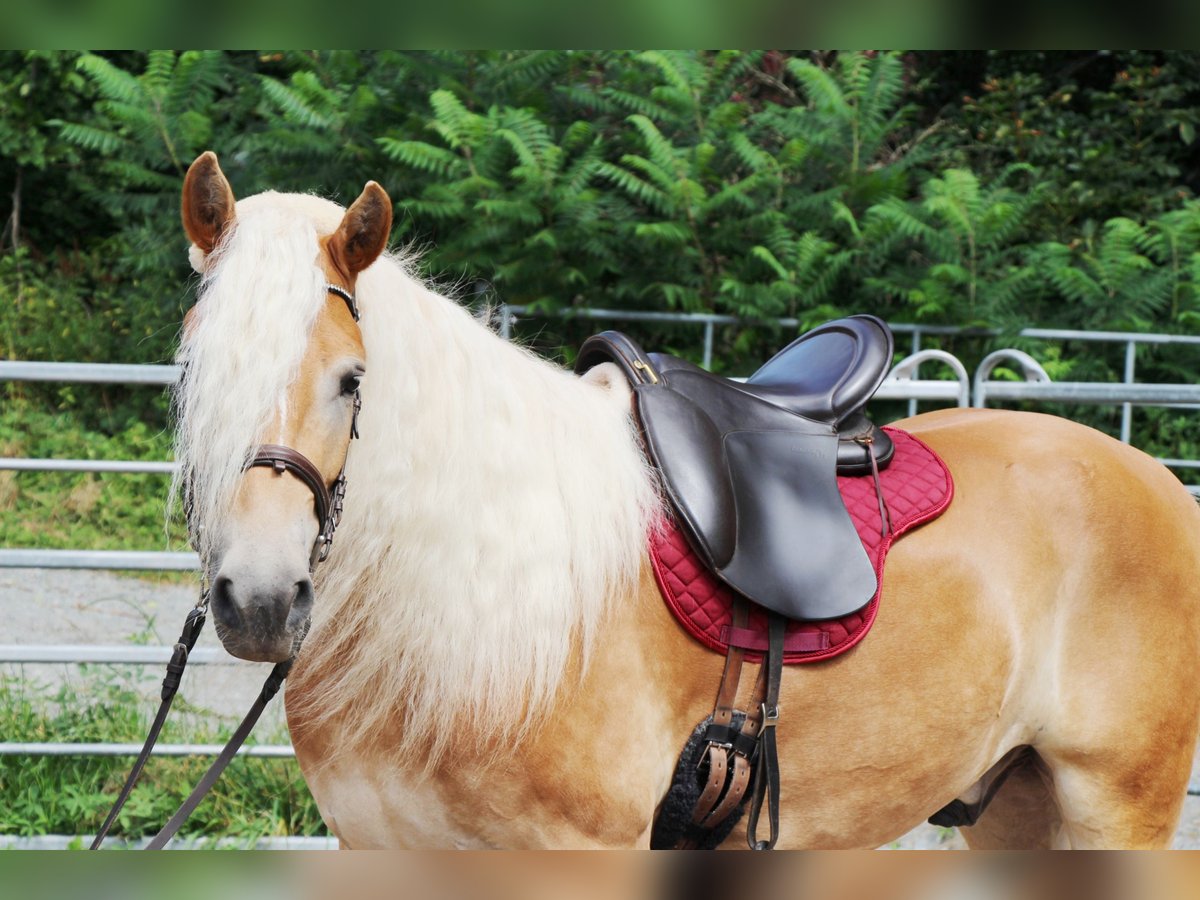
[1079,558]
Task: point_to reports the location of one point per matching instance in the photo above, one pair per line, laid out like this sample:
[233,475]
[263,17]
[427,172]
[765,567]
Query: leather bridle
[327,505]
[327,499]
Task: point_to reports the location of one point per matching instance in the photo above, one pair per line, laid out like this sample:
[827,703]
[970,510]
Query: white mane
[260,293]
[496,503]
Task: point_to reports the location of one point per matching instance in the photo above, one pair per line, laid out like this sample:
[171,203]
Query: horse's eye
[350,383]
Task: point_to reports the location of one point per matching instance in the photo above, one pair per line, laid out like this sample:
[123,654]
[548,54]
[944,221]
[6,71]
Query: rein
[327,505]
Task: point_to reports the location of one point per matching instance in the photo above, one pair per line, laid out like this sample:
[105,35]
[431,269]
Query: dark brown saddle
[750,468]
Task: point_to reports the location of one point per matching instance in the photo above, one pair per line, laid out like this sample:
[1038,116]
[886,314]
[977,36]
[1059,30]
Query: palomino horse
[489,662]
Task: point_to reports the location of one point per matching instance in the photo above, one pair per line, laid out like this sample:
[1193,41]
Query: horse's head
[272,355]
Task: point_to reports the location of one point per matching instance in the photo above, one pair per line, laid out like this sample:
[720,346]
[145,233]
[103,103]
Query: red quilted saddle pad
[917,487]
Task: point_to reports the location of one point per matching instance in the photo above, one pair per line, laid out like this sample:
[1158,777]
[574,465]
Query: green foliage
[146,129]
[71,308]
[72,795]
[1113,133]
[954,253]
[1129,276]
[1002,189]
[99,511]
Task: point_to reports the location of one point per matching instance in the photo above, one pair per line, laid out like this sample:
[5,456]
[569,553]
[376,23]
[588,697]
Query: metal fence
[903,383]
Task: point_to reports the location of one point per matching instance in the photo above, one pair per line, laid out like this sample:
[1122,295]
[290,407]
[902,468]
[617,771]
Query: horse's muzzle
[260,622]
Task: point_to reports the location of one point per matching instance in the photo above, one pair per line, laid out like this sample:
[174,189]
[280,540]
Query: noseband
[327,499]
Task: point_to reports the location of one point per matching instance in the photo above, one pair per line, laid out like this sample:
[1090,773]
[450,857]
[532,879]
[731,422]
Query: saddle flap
[686,446]
[802,556]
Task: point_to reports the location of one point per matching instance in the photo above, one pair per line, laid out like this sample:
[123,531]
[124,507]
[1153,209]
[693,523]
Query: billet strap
[745,751]
[766,775]
[192,626]
[269,689]
[731,752]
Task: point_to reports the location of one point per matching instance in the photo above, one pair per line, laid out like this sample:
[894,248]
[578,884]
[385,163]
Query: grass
[72,795]
[82,510]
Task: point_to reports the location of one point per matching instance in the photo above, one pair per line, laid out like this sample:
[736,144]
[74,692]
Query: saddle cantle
[750,467]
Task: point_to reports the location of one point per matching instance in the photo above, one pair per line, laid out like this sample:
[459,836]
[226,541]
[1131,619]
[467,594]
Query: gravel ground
[59,606]
[55,606]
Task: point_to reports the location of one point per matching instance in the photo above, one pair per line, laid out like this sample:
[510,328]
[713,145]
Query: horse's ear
[208,202]
[364,231]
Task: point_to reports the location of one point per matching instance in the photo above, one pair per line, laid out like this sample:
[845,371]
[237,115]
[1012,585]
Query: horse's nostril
[302,601]
[220,599]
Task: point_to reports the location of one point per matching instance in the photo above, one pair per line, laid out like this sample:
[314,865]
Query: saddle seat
[750,468]
[828,373]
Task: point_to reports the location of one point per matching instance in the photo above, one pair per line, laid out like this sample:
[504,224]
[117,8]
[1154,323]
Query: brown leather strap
[285,459]
[885,517]
[326,504]
[269,689]
[192,627]
[743,759]
[766,774]
[719,751]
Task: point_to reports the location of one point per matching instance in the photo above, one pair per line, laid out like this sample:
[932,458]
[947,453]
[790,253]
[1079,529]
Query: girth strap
[721,737]
[734,754]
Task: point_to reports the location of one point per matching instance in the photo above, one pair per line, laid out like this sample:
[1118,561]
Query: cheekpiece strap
[351,303]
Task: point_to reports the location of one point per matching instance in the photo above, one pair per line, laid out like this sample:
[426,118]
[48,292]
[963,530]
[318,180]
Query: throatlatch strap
[766,775]
[192,627]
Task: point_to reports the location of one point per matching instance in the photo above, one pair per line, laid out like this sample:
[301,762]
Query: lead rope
[269,689]
[192,626]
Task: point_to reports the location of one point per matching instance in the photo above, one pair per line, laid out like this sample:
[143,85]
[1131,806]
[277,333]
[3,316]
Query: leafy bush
[997,189]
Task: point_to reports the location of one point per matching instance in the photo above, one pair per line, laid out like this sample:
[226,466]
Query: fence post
[916,348]
[1127,408]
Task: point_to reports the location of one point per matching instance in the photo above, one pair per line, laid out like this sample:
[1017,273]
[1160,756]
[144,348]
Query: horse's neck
[496,505]
[482,419]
